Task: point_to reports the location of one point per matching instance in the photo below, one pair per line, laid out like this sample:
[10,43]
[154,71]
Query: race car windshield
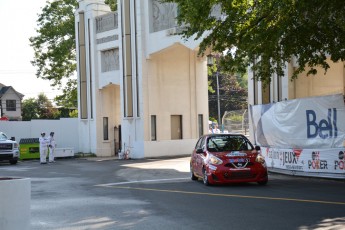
[222,143]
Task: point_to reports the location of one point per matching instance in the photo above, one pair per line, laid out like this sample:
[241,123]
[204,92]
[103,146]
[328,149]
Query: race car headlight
[215,160]
[260,158]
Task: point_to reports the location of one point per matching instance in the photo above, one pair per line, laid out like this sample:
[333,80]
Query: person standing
[52,145]
[43,148]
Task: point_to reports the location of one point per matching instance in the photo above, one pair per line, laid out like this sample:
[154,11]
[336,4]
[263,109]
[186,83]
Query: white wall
[65,129]
[169,147]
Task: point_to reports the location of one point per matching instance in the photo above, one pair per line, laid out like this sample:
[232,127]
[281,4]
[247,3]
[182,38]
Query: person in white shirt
[43,148]
[52,145]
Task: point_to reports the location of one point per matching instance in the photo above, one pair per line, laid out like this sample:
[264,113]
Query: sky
[18,23]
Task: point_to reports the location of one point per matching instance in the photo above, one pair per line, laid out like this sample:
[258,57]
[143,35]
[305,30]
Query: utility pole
[210,62]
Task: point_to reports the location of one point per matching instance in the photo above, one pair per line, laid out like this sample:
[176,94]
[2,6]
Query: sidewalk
[93,157]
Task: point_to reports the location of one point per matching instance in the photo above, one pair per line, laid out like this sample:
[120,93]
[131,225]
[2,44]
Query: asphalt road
[158,194]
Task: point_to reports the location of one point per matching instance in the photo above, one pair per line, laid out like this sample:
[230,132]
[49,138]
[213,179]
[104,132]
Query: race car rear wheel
[192,175]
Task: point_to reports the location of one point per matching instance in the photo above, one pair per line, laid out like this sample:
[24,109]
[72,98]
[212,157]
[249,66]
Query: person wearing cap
[52,145]
[43,148]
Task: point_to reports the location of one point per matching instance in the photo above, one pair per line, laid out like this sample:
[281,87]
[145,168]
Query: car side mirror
[257,148]
[13,139]
[199,150]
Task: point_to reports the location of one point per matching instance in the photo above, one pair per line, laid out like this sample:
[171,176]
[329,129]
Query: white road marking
[140,181]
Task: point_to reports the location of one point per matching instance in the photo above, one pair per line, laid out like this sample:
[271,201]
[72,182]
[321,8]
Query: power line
[16,72]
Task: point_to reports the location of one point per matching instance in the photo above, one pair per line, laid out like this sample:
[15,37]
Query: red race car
[227,158]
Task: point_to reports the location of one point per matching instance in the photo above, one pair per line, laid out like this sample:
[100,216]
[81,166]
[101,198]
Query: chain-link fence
[236,121]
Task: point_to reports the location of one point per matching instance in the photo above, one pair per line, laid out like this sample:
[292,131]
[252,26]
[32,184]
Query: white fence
[65,129]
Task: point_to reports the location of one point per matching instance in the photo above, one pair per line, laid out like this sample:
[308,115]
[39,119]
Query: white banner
[315,122]
[322,161]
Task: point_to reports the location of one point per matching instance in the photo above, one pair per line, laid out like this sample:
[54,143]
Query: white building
[140,87]
[286,88]
[10,103]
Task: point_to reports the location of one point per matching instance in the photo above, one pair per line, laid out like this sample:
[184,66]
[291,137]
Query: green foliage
[54,48]
[69,97]
[235,117]
[112,4]
[73,113]
[233,89]
[232,95]
[210,89]
[265,34]
[29,109]
[40,108]
[214,120]
[45,108]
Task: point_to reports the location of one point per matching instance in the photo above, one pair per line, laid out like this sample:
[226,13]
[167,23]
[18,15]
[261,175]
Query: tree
[45,108]
[112,4]
[73,113]
[232,95]
[265,34]
[69,97]
[54,48]
[40,108]
[29,109]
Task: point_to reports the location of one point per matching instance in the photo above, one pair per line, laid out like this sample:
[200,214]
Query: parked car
[8,149]
[227,158]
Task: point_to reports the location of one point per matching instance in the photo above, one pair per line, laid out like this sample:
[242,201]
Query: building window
[110,60]
[163,15]
[176,127]
[105,129]
[10,105]
[153,128]
[200,125]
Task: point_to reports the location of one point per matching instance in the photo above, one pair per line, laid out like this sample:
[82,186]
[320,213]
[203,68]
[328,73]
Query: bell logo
[324,128]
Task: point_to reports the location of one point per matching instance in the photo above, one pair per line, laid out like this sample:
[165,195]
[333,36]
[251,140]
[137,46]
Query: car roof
[223,134]
[210,135]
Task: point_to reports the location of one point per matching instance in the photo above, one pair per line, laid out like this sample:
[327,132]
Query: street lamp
[210,62]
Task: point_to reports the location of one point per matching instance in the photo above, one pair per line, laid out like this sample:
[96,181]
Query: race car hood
[252,154]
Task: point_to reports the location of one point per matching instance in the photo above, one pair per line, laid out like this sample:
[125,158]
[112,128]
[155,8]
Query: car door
[194,154]
[199,156]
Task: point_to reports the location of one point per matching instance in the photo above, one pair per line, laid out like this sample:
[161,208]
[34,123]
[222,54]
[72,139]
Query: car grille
[6,146]
[6,156]
[238,175]
[231,165]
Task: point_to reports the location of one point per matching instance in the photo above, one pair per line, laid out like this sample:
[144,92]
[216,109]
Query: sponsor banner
[315,122]
[306,160]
